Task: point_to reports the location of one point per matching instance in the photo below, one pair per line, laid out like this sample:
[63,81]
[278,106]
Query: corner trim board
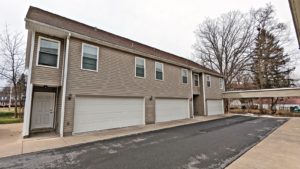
[204,96]
[28,101]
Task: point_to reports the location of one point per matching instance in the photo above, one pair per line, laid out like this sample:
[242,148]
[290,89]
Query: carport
[261,93]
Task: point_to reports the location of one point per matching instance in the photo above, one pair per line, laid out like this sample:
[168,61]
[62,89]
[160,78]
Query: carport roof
[261,93]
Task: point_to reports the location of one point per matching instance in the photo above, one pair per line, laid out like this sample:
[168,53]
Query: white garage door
[93,113]
[171,109]
[215,107]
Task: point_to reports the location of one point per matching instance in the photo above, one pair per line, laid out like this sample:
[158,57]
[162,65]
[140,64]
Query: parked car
[296,109]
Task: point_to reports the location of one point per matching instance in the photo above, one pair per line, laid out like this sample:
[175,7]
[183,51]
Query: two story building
[83,79]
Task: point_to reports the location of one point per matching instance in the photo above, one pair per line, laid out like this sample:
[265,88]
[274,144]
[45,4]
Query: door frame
[54,110]
[196,105]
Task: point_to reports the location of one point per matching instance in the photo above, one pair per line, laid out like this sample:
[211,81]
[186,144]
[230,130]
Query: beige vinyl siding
[116,77]
[42,75]
[150,110]
[213,92]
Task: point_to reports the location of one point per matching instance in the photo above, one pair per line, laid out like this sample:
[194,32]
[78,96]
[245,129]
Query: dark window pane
[184,79]
[47,59]
[159,75]
[48,53]
[140,71]
[89,63]
[89,60]
[208,83]
[196,82]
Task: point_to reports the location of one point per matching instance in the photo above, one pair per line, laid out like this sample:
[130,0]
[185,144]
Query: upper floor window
[208,81]
[48,52]
[221,83]
[90,55]
[184,75]
[159,71]
[196,79]
[139,67]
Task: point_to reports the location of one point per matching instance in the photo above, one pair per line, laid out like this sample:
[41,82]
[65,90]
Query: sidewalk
[11,142]
[279,150]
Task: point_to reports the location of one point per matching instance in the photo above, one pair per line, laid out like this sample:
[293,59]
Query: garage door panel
[171,109]
[215,107]
[106,113]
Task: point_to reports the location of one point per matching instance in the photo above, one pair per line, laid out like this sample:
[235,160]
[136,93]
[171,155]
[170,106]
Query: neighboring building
[283,103]
[5,100]
[235,104]
[235,86]
[4,97]
[81,79]
[8,99]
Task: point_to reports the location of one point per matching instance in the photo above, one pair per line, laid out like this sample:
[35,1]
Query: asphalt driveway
[212,144]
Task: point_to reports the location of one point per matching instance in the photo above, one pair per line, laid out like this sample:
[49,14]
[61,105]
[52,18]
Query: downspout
[62,110]
[29,86]
[204,96]
[192,95]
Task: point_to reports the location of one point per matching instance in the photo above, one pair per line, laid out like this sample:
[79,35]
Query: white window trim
[187,76]
[221,81]
[208,78]
[85,44]
[144,67]
[163,71]
[38,52]
[198,80]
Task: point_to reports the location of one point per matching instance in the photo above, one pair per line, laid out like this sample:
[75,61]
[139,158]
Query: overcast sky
[165,24]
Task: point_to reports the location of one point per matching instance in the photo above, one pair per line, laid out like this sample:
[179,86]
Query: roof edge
[201,67]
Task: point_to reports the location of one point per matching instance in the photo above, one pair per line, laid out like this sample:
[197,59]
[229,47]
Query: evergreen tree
[270,63]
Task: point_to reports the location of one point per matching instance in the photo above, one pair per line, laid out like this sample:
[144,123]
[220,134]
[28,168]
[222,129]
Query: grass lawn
[7,116]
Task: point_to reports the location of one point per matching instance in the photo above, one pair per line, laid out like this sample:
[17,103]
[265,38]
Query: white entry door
[100,113]
[42,110]
[171,109]
[215,107]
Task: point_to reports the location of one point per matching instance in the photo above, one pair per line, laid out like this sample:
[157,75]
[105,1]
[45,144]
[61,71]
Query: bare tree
[12,60]
[225,43]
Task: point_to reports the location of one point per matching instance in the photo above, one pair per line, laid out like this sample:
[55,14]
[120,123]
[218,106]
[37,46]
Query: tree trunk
[273,105]
[16,100]
[260,105]
[21,113]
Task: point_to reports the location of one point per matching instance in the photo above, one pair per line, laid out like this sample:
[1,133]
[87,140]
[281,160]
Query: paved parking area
[280,150]
[12,143]
[212,144]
